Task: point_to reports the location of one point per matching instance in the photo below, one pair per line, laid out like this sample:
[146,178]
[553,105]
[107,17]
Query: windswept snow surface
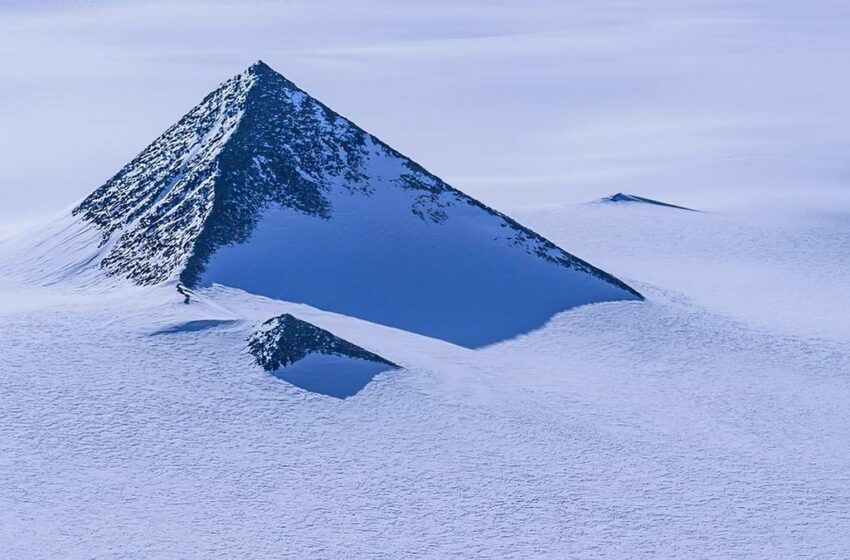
[708,422]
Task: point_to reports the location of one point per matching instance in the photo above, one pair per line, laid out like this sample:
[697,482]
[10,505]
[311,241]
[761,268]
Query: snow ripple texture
[135,426]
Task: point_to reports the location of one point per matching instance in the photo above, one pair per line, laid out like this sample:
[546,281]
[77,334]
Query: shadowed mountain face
[263,188]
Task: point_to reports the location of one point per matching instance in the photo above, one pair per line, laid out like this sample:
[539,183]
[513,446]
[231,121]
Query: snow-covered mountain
[709,421]
[263,188]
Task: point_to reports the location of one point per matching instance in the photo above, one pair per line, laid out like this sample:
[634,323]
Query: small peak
[259,67]
[265,74]
[622,197]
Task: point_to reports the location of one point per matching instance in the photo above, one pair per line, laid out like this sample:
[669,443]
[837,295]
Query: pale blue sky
[517,103]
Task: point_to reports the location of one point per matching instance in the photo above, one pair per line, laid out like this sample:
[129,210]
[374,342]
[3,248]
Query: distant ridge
[621,197]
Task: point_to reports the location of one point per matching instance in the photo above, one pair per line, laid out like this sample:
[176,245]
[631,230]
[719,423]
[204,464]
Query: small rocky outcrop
[284,340]
[622,197]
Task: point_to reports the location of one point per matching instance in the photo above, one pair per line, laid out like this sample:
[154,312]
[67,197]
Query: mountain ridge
[263,188]
[110,213]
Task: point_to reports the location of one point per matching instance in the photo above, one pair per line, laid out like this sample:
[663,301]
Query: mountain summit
[263,188]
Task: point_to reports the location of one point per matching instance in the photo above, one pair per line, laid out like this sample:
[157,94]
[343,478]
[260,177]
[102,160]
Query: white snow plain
[709,421]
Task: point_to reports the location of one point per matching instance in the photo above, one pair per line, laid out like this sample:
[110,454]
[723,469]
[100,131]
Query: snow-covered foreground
[708,422]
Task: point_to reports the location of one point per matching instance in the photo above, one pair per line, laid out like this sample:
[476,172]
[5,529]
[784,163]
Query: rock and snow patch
[622,197]
[313,358]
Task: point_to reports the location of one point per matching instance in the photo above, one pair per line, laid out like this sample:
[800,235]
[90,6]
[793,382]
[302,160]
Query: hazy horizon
[540,104]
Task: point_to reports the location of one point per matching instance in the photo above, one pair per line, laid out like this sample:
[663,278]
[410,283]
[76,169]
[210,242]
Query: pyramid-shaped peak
[259,68]
[263,75]
[263,188]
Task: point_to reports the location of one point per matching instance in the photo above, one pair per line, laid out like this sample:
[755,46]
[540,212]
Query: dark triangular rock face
[284,340]
[284,346]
